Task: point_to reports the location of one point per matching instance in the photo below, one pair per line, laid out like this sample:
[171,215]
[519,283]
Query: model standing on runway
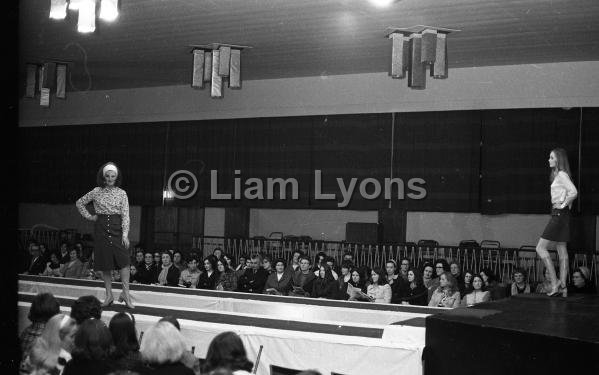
[557,231]
[111,229]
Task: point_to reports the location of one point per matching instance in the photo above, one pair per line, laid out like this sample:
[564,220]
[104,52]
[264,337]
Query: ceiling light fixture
[86,22]
[216,63]
[416,48]
[382,3]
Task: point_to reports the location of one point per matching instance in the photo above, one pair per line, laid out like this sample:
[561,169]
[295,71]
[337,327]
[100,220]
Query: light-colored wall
[568,84]
[328,225]
[214,221]
[66,216]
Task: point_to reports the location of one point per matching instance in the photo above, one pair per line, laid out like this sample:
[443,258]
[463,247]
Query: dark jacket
[147,275]
[324,288]
[172,276]
[252,280]
[417,296]
[164,369]
[283,286]
[208,282]
[36,266]
[305,281]
[78,366]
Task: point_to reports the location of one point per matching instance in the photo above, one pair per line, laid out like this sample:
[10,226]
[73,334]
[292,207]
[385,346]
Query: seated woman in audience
[267,264]
[43,307]
[581,282]
[227,279]
[456,272]
[379,290]
[428,281]
[226,351]
[52,266]
[74,268]
[148,272]
[324,286]
[280,281]
[359,282]
[169,274]
[477,294]
[242,266]
[92,349]
[346,270]
[210,274]
[491,284]
[218,253]
[466,285]
[189,277]
[447,294]
[162,349]
[330,261]
[293,265]
[545,286]
[519,284]
[126,353]
[413,292]
[319,260]
[133,274]
[229,261]
[178,260]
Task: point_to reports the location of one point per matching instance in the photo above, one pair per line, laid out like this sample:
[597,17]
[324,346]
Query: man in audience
[348,257]
[254,278]
[189,276]
[294,263]
[86,307]
[37,264]
[303,280]
[139,258]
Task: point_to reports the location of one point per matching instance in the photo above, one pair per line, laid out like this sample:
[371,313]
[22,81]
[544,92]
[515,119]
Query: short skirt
[109,251]
[558,228]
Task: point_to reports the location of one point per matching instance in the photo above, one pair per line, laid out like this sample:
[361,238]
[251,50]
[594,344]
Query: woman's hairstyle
[43,307]
[56,330]
[347,264]
[172,320]
[124,335]
[226,350]
[162,343]
[472,273]
[213,260]
[394,265]
[93,341]
[443,262]
[361,273]
[417,276]
[86,307]
[584,273]
[101,182]
[170,256]
[279,260]
[522,271]
[561,164]
[428,264]
[328,273]
[490,274]
[227,255]
[457,264]
[382,276]
[318,255]
[42,358]
[452,283]
[482,286]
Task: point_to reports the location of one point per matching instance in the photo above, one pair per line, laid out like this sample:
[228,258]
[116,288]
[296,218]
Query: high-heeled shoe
[121,298]
[108,301]
[555,290]
[127,300]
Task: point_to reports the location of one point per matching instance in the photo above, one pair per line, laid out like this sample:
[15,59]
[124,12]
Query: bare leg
[544,255]
[108,286]
[562,252]
[125,280]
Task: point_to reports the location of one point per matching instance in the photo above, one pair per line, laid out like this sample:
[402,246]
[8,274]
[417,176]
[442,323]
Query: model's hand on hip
[94,217]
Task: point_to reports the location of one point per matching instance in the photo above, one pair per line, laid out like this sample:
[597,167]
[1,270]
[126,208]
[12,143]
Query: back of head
[171,319]
[226,350]
[124,336]
[162,343]
[86,307]
[43,307]
[56,329]
[93,341]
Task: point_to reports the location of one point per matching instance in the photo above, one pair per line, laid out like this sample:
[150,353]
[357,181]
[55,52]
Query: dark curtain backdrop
[449,150]
[515,152]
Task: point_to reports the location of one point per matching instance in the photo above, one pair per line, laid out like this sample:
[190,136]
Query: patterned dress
[112,207]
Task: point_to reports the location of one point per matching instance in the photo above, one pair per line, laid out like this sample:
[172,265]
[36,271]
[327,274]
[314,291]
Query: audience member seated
[218,253]
[293,265]
[447,294]
[36,264]
[428,281]
[519,285]
[44,252]
[162,349]
[477,294]
[394,280]
[74,267]
[86,307]
[342,282]
[456,272]
[491,284]
[319,260]
[280,281]
[324,286]
[227,279]
[544,286]
[158,260]
[379,290]
[303,280]
[466,285]
[414,292]
[43,307]
[358,281]
[581,282]
[229,262]
[148,272]
[126,353]
[267,265]
[133,274]
[178,261]
[188,359]
[190,276]
[169,274]
[404,266]
[348,257]
[64,253]
[52,266]
[330,261]
[254,278]
[242,266]
[92,350]
[210,275]
[139,258]
[226,351]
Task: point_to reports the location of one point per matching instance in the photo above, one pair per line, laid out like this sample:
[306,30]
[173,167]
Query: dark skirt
[558,228]
[109,251]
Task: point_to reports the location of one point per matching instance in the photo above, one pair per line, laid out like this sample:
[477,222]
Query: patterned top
[29,335]
[107,201]
[563,191]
